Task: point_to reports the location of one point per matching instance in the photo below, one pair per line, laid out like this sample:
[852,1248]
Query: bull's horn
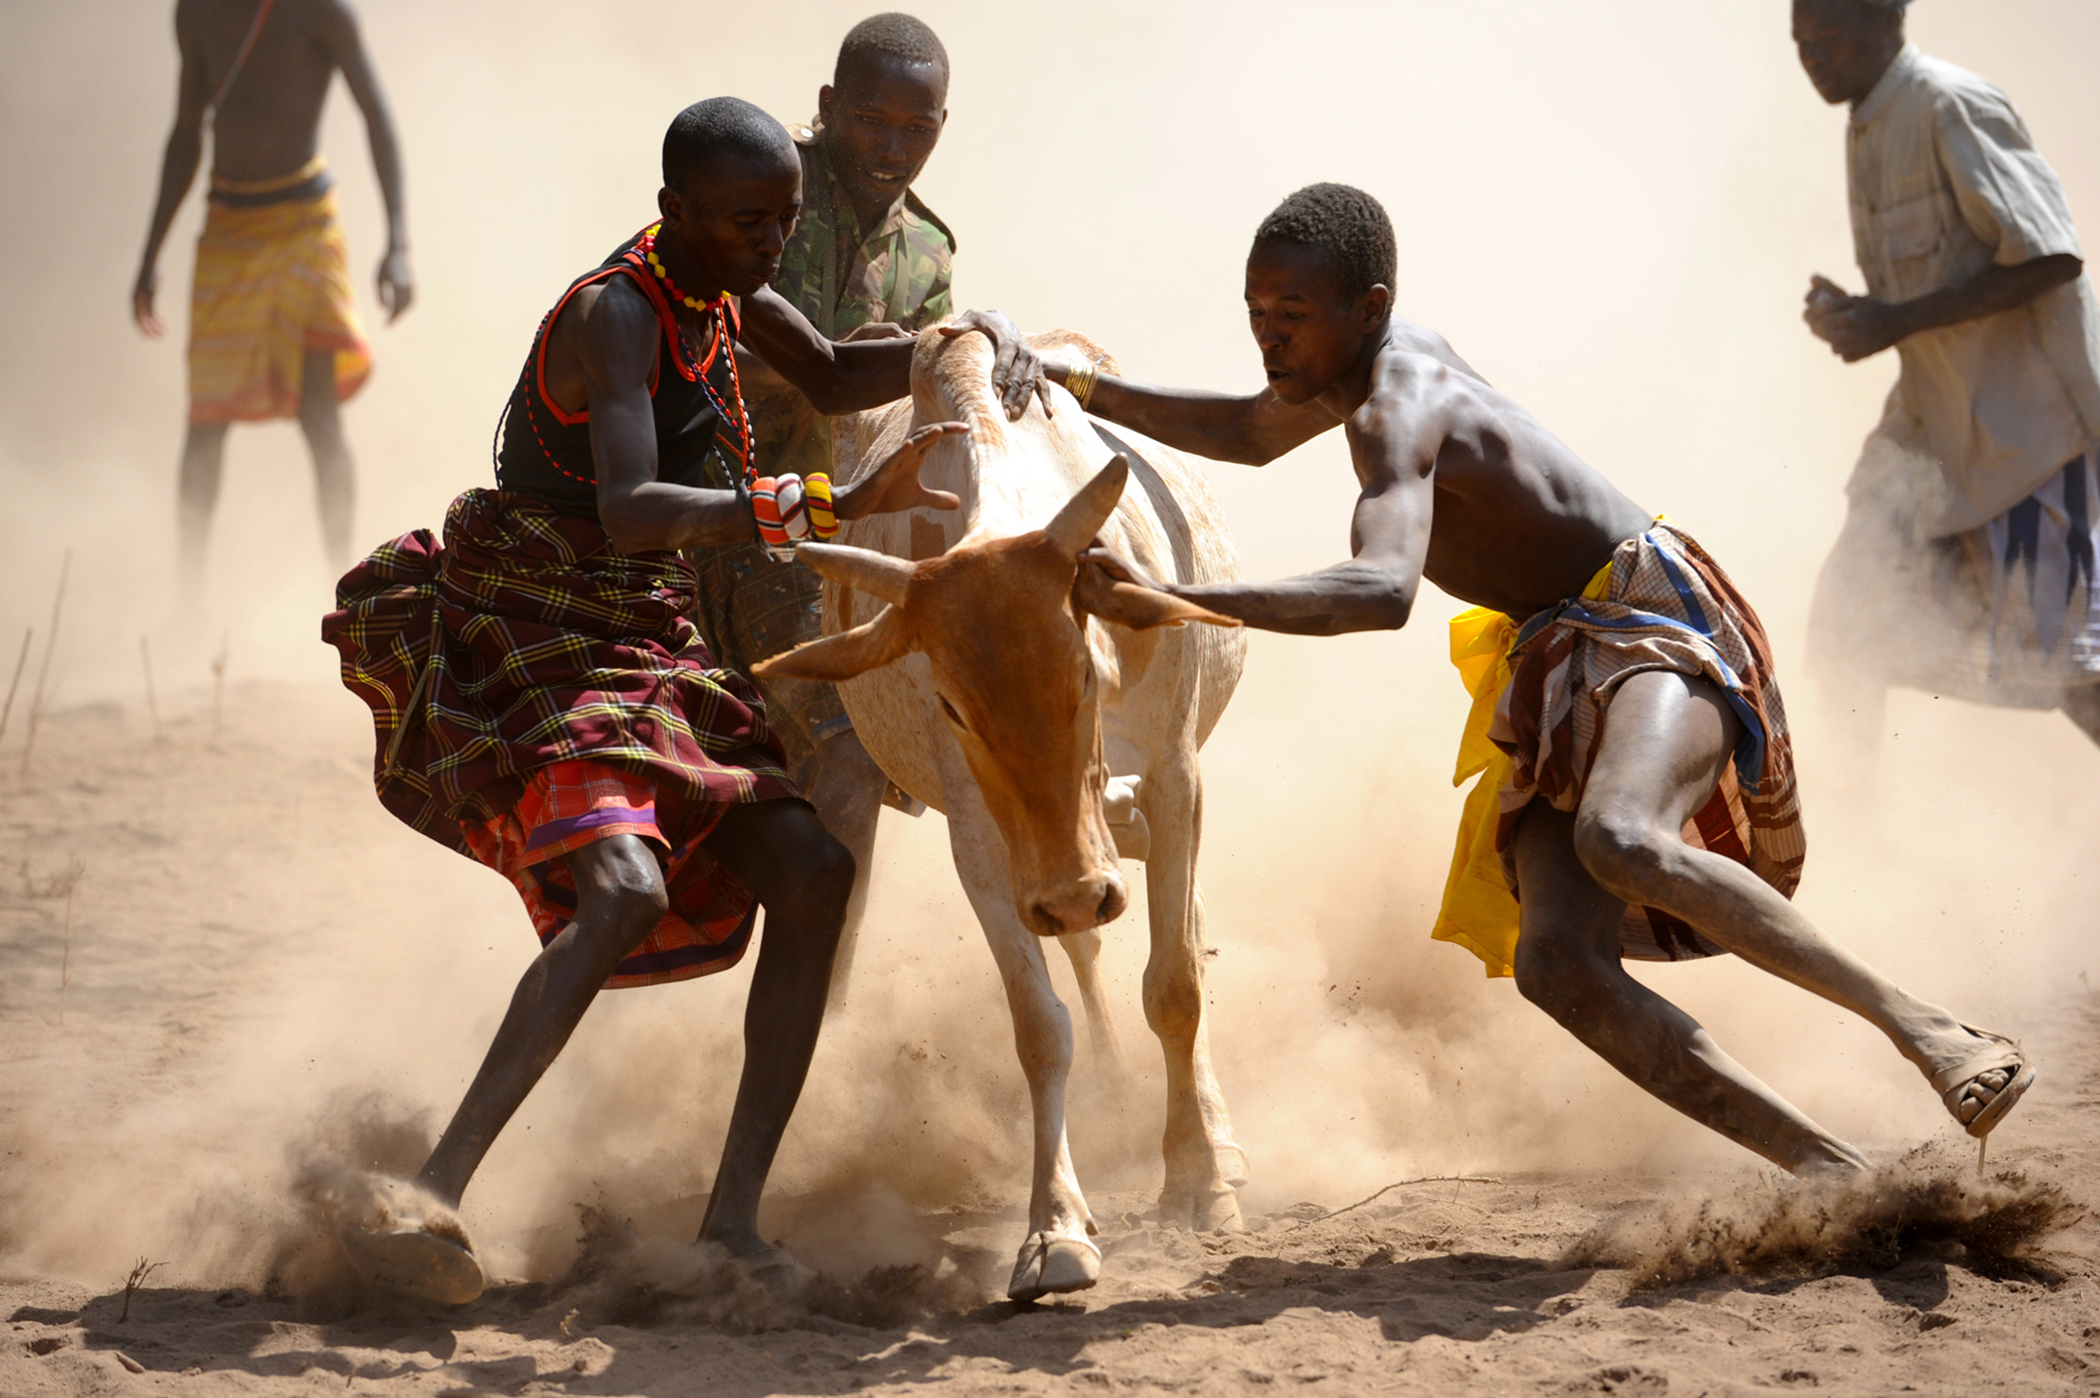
[863,570]
[1083,515]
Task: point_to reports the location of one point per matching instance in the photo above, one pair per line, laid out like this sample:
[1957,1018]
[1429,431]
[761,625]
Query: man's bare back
[1518,521]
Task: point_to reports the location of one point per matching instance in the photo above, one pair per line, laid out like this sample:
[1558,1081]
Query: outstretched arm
[1396,444]
[618,348]
[1253,430]
[1858,327]
[397,284]
[178,167]
[844,376]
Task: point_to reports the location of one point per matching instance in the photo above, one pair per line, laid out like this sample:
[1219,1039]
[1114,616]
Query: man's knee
[323,427]
[808,874]
[1569,983]
[619,888]
[828,868]
[1626,853]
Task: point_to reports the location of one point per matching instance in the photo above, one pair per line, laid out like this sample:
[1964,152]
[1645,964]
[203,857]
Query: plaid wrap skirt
[1668,607]
[525,640]
[1542,695]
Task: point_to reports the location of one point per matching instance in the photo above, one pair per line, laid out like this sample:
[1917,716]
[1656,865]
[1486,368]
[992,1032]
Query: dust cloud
[1993,1225]
[1613,215]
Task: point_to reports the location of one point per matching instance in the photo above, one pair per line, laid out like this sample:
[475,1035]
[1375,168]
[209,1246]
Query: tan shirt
[1944,182]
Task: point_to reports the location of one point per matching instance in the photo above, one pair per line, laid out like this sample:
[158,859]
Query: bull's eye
[953,717]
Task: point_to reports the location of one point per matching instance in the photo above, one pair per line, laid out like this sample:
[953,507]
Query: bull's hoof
[1053,1262]
[1219,1213]
[411,1260]
[1232,1163]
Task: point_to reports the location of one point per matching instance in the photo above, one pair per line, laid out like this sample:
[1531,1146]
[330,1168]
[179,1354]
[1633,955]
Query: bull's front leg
[1058,1255]
[1083,949]
[1203,1163]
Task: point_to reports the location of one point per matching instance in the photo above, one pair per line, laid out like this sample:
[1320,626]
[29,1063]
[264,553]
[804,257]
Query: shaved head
[722,126]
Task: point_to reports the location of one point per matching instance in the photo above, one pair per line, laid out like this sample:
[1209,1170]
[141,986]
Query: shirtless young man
[544,706]
[273,324]
[1461,486]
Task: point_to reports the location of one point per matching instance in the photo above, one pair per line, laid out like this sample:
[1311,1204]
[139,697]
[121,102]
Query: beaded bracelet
[790,508]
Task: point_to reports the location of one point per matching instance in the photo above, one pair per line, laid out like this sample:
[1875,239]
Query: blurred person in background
[274,331]
[1966,564]
[867,260]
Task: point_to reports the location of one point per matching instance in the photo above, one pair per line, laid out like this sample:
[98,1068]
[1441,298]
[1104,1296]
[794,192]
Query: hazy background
[1612,211]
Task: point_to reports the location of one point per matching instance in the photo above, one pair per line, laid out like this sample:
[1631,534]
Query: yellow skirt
[1479,912]
[272,285]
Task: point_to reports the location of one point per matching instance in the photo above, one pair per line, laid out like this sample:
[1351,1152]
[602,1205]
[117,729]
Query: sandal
[1956,1085]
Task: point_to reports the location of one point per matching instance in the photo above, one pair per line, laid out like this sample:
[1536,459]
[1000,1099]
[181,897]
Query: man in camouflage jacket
[867,258]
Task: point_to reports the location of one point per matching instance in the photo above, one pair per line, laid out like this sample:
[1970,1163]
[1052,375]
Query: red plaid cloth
[1668,607]
[571,804]
[526,641]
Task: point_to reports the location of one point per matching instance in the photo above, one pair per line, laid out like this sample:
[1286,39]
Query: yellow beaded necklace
[647,247]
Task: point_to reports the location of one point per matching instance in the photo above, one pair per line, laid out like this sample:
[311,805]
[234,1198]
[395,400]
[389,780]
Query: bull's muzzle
[1076,906]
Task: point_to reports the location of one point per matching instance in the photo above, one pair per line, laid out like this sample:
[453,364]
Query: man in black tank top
[544,705]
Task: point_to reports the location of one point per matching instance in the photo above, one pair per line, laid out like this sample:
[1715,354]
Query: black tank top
[545,452]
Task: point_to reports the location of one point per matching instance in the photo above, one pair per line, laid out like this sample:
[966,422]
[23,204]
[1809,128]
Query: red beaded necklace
[724,345]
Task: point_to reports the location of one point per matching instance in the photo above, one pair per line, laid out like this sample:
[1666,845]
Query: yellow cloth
[1479,912]
[272,284]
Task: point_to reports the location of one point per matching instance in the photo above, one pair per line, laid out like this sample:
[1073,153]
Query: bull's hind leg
[1203,1163]
[1059,1254]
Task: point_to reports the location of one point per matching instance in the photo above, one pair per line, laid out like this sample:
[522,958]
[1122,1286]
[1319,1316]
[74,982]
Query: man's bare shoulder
[1415,379]
[333,21]
[1421,340]
[612,326]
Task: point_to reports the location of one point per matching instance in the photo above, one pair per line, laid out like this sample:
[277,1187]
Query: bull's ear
[842,657]
[1139,608]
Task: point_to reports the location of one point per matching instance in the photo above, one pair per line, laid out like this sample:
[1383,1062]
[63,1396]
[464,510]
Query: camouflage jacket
[841,279]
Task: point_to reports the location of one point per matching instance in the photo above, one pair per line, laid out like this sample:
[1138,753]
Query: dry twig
[152,704]
[218,682]
[65,961]
[16,683]
[1399,1184]
[43,669]
[140,1270]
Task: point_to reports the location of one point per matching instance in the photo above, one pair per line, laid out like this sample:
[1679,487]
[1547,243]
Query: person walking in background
[274,331]
[1966,564]
[866,260]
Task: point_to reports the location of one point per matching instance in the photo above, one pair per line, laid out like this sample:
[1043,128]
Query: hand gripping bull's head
[1003,624]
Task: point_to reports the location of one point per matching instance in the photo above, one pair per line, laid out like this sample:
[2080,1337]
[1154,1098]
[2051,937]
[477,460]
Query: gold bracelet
[1080,380]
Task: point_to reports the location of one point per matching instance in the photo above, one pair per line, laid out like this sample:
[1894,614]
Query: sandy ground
[220,859]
